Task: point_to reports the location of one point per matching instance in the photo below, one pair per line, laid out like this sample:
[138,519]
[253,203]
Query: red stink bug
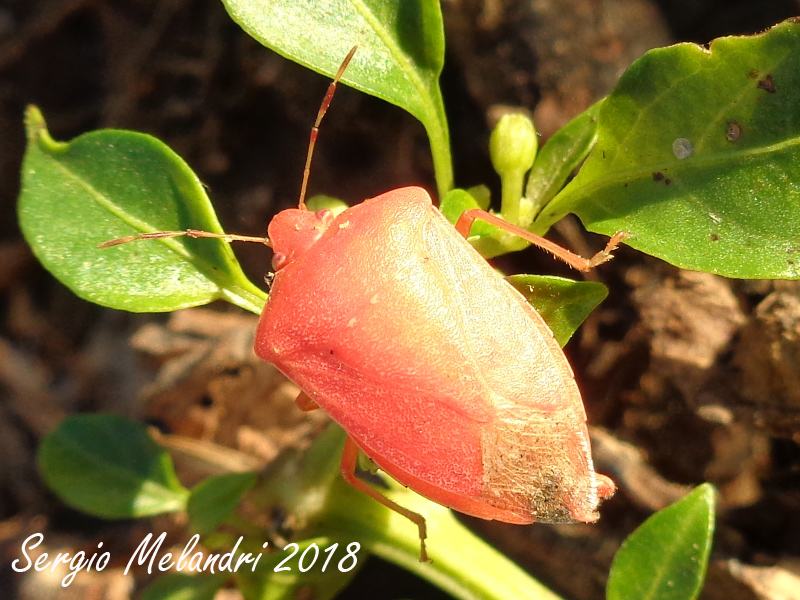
[437,368]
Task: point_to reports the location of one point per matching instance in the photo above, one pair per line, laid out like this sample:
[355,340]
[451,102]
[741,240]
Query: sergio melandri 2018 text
[149,552]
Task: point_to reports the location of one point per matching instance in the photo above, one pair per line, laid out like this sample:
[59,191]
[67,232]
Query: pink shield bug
[437,368]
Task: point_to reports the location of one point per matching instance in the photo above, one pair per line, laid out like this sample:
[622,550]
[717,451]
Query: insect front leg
[468,217]
[348,469]
[305,403]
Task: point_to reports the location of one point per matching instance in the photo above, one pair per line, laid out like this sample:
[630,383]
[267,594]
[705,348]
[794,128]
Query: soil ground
[687,377]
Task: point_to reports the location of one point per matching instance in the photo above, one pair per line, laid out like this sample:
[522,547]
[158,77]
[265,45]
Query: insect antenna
[193,233]
[323,108]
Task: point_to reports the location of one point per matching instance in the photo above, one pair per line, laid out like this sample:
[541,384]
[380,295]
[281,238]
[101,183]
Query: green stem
[310,486]
[511,185]
[462,564]
[439,137]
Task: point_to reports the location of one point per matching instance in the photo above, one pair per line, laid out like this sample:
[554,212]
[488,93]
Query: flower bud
[321,201]
[513,144]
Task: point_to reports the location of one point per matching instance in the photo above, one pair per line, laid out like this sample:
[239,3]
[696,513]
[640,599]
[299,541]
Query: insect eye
[279,260]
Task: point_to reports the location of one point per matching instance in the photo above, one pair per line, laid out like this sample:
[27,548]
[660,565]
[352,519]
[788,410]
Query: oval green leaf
[399,59]
[667,556]
[108,466]
[215,498]
[697,157]
[563,303]
[109,184]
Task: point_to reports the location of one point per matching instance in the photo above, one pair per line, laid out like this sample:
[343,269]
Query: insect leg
[576,261]
[348,469]
[305,403]
[193,233]
[605,486]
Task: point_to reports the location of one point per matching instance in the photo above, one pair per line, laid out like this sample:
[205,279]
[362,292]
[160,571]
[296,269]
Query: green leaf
[730,206]
[108,466]
[215,498]
[399,59]
[456,202]
[482,195]
[487,239]
[563,303]
[560,156]
[667,556]
[183,586]
[109,184]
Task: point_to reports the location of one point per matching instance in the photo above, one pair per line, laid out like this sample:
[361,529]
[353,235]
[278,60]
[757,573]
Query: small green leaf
[697,157]
[109,184]
[108,466]
[399,59]
[482,195]
[563,303]
[183,586]
[487,239]
[456,202]
[667,556]
[215,498]
[560,156]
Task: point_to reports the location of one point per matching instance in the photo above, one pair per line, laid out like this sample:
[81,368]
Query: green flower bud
[321,201]
[512,149]
[513,145]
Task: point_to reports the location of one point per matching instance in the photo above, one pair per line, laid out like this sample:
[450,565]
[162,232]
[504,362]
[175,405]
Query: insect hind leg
[348,469]
[468,217]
